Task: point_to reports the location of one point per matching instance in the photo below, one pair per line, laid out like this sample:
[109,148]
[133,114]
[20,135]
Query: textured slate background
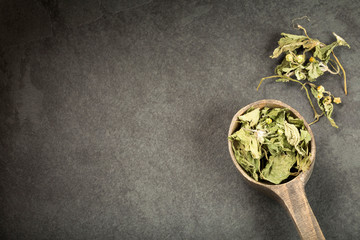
[114,117]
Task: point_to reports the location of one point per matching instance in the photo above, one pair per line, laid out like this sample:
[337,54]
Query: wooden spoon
[290,194]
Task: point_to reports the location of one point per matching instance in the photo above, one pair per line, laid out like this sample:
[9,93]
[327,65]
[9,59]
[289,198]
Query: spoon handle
[294,199]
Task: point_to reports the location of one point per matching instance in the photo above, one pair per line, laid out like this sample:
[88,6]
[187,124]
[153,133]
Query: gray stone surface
[114,118]
[79,12]
[23,21]
[114,6]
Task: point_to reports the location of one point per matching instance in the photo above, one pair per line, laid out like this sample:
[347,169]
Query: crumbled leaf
[289,42]
[314,92]
[264,111]
[251,117]
[325,105]
[303,163]
[300,74]
[278,168]
[291,133]
[329,107]
[274,113]
[248,163]
[296,121]
[314,71]
[283,64]
[341,41]
[280,117]
[266,149]
[305,136]
[293,136]
[249,140]
[323,53]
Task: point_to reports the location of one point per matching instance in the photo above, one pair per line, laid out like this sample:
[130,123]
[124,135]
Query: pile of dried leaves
[305,60]
[271,144]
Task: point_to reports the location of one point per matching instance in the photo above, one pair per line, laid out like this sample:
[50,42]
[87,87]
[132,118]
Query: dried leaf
[325,106]
[314,71]
[289,42]
[303,163]
[283,64]
[292,133]
[300,74]
[249,140]
[267,148]
[278,168]
[341,41]
[296,121]
[275,112]
[251,117]
[329,107]
[305,136]
[323,53]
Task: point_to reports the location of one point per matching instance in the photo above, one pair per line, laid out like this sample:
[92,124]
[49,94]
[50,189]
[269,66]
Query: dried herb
[305,60]
[271,145]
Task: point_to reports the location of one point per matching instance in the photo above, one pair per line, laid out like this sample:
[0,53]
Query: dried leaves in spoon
[305,60]
[271,145]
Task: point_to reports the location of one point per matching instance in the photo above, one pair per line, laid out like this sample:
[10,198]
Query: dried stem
[316,119]
[300,18]
[316,115]
[337,69]
[338,62]
[300,27]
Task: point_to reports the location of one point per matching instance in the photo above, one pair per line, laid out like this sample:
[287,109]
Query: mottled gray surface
[114,118]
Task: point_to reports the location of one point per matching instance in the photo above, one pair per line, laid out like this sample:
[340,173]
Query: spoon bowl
[290,194]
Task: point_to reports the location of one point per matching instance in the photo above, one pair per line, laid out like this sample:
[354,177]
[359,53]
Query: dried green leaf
[300,74]
[288,69]
[323,53]
[303,162]
[293,136]
[341,41]
[325,106]
[314,71]
[279,68]
[310,44]
[275,112]
[281,117]
[278,168]
[289,42]
[249,164]
[264,111]
[329,107]
[314,92]
[254,148]
[292,133]
[249,140]
[252,117]
[296,121]
[290,38]
[305,136]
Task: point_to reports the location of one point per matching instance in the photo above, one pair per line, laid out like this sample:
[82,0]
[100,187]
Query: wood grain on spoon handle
[294,199]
